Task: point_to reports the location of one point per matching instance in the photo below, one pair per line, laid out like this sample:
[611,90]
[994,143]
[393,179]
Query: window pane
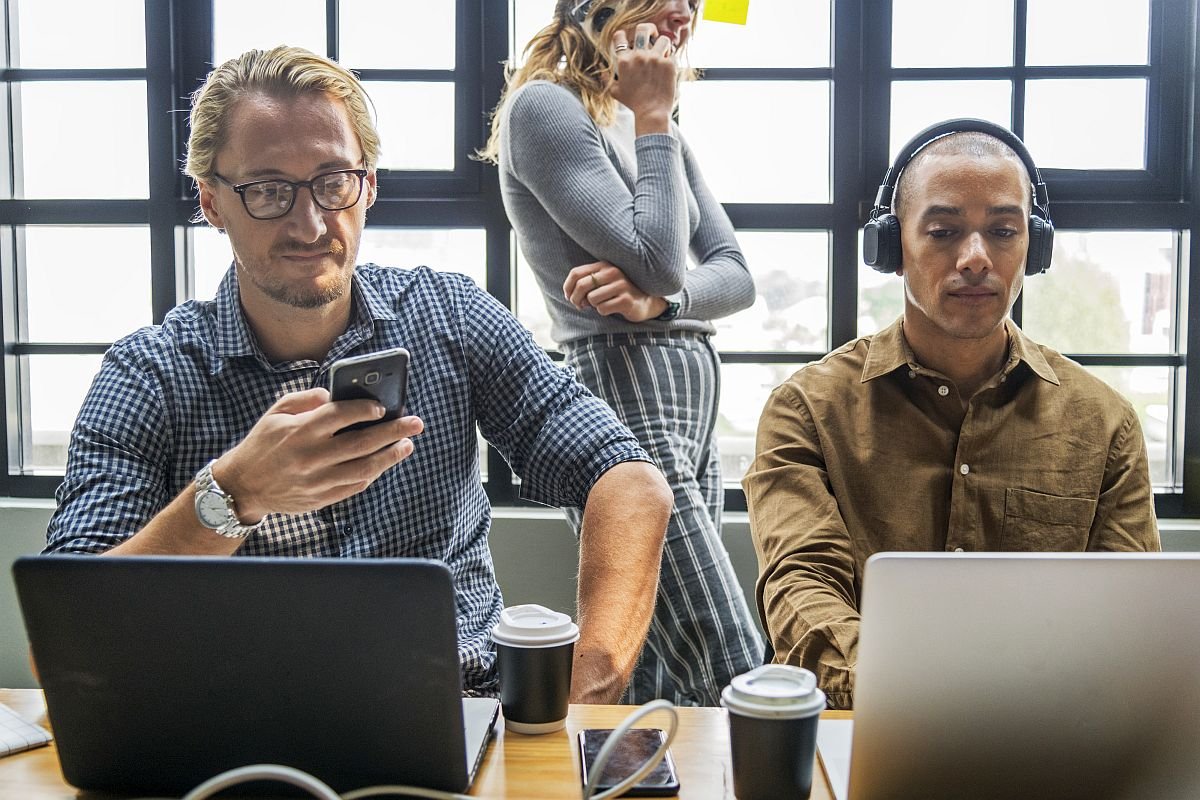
[86,283]
[918,104]
[968,33]
[241,25]
[411,140]
[1106,292]
[1087,124]
[791,276]
[57,385]
[777,33]
[1072,32]
[531,308]
[760,141]
[880,299]
[447,250]
[528,17]
[56,139]
[80,34]
[744,391]
[1149,390]
[1177,433]
[211,257]
[419,35]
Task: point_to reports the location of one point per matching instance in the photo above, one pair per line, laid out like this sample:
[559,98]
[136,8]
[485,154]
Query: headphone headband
[882,250]
[887,189]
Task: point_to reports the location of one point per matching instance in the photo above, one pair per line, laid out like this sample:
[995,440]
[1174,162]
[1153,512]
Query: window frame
[178,52]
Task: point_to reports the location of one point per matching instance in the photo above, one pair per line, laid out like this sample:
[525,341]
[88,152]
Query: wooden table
[516,766]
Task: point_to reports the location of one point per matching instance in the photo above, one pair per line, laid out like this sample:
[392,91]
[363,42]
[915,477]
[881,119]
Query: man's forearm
[177,531]
[619,555]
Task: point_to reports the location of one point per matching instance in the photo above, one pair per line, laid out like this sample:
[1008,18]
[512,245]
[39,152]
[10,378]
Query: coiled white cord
[322,791]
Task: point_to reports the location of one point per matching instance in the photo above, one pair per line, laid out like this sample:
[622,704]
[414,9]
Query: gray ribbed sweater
[571,202]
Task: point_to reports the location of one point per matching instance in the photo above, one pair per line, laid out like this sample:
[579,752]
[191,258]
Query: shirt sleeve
[721,283]
[555,434]
[557,152]
[115,479]
[807,574]
[1125,518]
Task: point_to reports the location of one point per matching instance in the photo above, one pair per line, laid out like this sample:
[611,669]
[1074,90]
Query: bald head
[972,144]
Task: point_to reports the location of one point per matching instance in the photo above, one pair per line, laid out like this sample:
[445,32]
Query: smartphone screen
[381,376]
[633,751]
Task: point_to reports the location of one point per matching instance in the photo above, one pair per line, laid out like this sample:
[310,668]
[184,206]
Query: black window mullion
[492,25]
[1190,300]
[333,30]
[161,138]
[847,94]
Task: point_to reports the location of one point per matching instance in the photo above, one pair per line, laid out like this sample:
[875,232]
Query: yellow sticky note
[733,11]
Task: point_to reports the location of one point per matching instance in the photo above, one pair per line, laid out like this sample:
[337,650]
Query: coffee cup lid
[532,625]
[774,691]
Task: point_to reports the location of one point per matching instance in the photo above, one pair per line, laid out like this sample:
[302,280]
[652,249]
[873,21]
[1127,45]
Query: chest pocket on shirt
[1044,522]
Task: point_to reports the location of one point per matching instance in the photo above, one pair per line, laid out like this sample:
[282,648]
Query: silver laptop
[1028,675]
[162,672]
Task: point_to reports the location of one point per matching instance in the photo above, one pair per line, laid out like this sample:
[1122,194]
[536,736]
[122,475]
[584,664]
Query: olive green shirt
[867,451]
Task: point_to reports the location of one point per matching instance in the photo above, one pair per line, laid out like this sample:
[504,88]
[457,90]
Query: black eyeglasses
[271,199]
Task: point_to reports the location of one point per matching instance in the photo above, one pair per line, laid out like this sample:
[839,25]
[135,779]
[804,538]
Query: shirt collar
[889,351]
[235,339]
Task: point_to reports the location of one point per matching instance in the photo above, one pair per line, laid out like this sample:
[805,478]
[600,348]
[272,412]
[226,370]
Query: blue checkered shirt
[169,398]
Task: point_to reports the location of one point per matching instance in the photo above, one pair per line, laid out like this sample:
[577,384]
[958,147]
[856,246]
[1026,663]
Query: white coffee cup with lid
[773,713]
[535,647]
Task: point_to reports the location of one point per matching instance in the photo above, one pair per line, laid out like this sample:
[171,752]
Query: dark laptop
[160,672]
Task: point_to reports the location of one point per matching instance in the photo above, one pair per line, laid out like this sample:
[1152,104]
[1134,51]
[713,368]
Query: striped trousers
[665,386]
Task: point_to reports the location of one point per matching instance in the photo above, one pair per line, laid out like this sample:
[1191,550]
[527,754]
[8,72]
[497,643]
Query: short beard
[316,299]
[282,293]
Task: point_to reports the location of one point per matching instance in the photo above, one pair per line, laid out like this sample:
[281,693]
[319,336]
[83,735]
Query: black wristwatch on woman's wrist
[672,310]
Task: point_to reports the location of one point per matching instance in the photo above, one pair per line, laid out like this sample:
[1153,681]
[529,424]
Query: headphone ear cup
[881,243]
[1041,245]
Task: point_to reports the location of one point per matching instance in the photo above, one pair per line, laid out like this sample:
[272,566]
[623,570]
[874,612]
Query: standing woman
[607,201]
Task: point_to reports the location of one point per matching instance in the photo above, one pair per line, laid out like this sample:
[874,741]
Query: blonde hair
[572,54]
[279,72]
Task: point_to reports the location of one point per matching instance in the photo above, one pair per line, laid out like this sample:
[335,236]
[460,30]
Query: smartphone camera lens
[371,378]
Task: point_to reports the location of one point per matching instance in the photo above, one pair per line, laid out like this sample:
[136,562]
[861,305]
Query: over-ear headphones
[881,234]
[579,12]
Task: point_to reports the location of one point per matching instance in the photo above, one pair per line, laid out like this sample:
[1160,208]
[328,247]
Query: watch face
[211,509]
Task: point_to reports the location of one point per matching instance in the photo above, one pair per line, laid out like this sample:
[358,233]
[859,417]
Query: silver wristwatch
[215,509]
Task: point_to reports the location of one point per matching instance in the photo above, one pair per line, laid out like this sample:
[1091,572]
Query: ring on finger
[595,281]
[620,47]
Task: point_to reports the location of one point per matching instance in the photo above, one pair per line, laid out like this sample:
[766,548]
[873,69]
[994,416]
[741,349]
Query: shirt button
[943,390]
[964,469]
[912,373]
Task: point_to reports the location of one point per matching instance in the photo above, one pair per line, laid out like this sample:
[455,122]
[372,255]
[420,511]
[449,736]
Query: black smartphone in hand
[634,750]
[381,376]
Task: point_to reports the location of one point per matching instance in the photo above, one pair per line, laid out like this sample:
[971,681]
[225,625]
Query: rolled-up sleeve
[554,433]
[115,479]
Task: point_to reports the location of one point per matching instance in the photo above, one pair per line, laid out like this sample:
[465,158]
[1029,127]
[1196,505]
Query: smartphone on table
[634,750]
[381,376]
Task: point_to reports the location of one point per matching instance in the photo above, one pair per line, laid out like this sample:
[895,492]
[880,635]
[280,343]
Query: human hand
[644,77]
[292,461]
[604,287]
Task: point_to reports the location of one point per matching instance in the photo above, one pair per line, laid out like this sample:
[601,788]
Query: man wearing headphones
[949,430]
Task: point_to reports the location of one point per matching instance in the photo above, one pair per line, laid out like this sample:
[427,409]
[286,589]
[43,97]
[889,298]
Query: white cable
[614,740]
[258,772]
[322,791]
